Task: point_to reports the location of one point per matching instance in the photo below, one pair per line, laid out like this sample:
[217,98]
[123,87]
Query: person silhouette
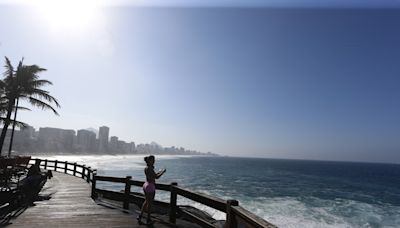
[149,188]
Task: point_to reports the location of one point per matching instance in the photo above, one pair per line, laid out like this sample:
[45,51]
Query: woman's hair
[148,158]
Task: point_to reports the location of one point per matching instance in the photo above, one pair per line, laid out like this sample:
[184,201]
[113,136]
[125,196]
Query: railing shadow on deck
[236,216]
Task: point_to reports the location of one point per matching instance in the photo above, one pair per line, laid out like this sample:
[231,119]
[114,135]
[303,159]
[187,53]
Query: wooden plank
[127,192]
[120,196]
[117,196]
[210,201]
[172,203]
[231,221]
[251,219]
[163,187]
[110,179]
[197,220]
[136,183]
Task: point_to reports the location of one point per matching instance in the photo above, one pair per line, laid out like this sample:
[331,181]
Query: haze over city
[232,79]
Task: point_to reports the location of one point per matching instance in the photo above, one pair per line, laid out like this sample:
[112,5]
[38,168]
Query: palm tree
[3,108]
[23,84]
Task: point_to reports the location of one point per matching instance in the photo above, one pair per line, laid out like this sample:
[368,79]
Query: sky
[275,79]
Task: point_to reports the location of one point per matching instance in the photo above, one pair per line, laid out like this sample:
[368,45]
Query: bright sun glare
[68,14]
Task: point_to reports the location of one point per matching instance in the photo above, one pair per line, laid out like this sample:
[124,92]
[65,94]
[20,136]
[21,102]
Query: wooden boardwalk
[67,203]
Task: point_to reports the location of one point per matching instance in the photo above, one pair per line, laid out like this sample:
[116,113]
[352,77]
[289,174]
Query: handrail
[86,172]
[163,187]
[210,201]
[236,216]
[111,179]
[199,221]
[247,218]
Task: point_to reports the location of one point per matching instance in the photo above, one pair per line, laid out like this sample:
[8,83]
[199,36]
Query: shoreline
[207,155]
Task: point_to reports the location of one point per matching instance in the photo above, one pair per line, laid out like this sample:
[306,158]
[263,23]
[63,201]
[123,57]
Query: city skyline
[309,81]
[49,140]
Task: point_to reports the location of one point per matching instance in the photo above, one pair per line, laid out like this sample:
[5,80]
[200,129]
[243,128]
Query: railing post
[55,165]
[75,169]
[93,195]
[88,174]
[230,217]
[83,171]
[45,164]
[172,204]
[127,192]
[66,167]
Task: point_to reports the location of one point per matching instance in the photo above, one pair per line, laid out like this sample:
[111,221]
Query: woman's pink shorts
[149,187]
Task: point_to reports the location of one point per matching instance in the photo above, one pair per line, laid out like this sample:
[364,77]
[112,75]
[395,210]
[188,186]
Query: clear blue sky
[286,80]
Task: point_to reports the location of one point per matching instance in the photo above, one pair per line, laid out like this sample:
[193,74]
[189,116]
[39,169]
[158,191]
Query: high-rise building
[27,132]
[113,146]
[103,139]
[123,147]
[24,139]
[86,140]
[132,148]
[55,139]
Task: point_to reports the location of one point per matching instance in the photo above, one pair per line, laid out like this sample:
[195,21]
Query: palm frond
[2,86]
[36,91]
[20,65]
[40,83]
[17,123]
[42,94]
[20,124]
[24,108]
[9,68]
[31,72]
[40,104]
[36,68]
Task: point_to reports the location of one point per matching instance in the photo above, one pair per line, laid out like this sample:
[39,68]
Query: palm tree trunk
[6,124]
[13,128]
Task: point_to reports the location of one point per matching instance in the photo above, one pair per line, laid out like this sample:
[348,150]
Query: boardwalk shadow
[13,211]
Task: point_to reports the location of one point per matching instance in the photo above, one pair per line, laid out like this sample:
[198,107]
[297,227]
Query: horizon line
[313,160]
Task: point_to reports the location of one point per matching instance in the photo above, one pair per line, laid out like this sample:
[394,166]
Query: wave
[315,212]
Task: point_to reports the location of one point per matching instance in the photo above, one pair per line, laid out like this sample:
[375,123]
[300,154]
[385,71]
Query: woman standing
[149,187]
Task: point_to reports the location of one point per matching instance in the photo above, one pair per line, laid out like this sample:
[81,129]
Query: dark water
[288,193]
[359,194]
[369,183]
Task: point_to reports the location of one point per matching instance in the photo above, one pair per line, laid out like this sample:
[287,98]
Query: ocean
[287,193]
